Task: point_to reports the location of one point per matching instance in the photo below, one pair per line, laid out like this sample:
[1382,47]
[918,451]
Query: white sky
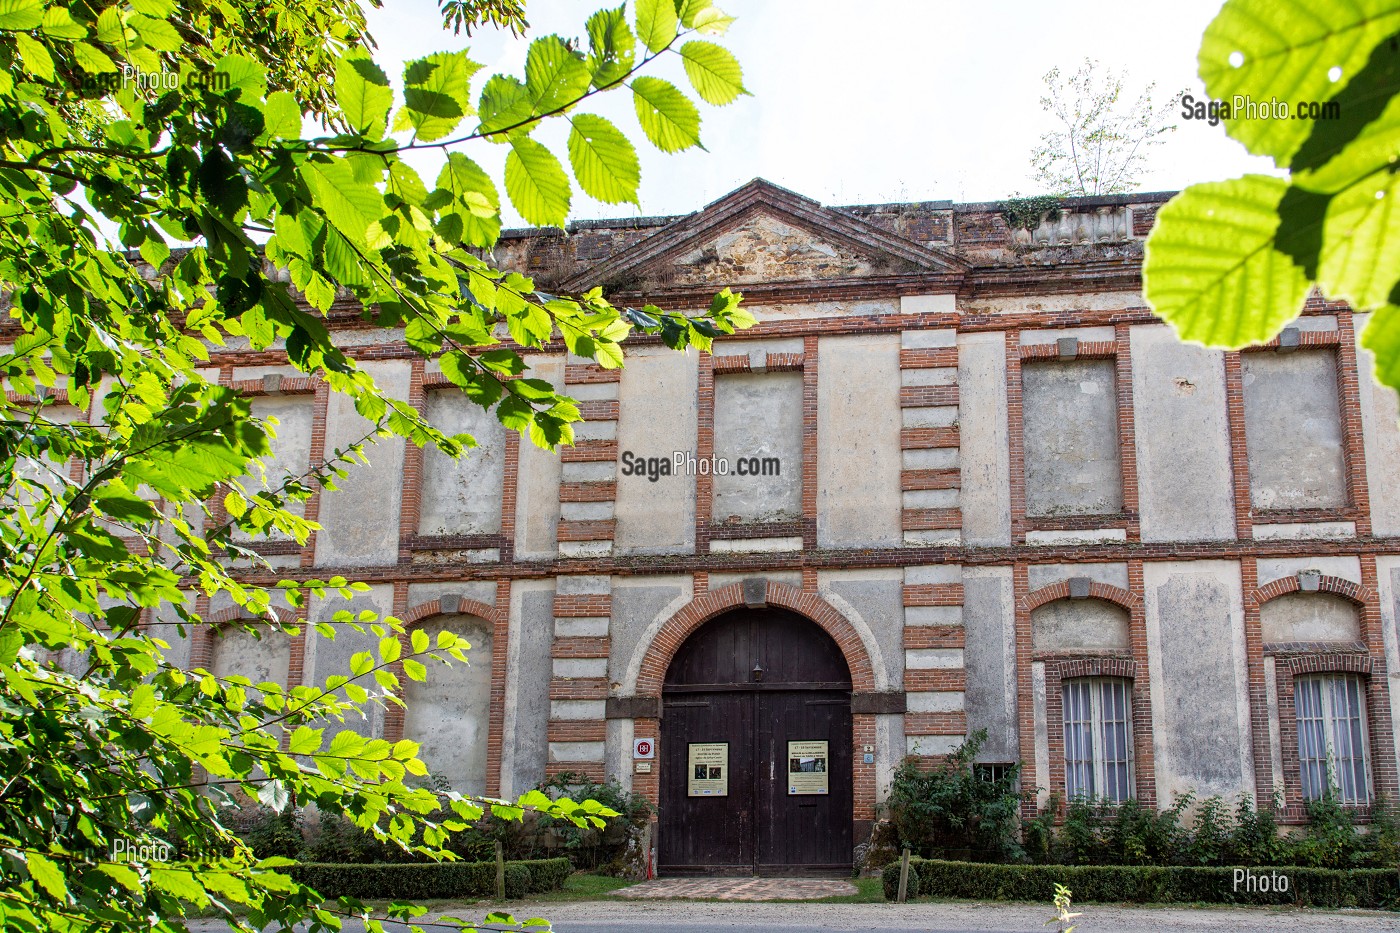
[868,101]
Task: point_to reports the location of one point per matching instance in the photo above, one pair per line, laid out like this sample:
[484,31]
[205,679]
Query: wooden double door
[755,751]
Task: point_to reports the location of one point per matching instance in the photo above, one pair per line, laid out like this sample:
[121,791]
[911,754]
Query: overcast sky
[871,101]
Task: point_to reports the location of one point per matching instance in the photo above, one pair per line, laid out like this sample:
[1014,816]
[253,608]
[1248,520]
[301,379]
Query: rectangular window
[1332,745]
[1071,438]
[462,496]
[758,448]
[1098,739]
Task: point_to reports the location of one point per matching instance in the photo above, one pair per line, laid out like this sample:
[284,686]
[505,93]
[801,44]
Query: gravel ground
[714,917]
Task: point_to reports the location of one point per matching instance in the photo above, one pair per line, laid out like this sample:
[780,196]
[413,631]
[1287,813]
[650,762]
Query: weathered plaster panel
[1309,617]
[328,657]
[291,449]
[537,489]
[462,496]
[985,457]
[347,539]
[758,415]
[876,598]
[1185,487]
[1047,574]
[989,616]
[639,603]
[266,656]
[526,725]
[858,501]
[1269,569]
[657,417]
[449,712]
[1071,438]
[1066,626]
[1195,631]
[1293,430]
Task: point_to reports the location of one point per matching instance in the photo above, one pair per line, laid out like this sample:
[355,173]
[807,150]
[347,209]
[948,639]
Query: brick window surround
[1117,350]
[497,619]
[1131,665]
[1059,669]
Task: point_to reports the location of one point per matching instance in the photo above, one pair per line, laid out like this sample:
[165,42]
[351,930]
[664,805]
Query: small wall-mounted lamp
[757,672]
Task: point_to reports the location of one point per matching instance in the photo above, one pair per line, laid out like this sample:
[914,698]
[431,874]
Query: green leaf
[1382,337]
[604,161]
[667,116]
[47,875]
[157,33]
[305,741]
[437,93]
[555,76]
[656,23]
[36,57]
[348,203]
[389,649]
[362,91]
[414,670]
[282,116]
[92,60]
[536,183]
[612,46]
[713,71]
[1283,50]
[712,21]
[21,14]
[1213,270]
[59,23]
[506,109]
[274,794]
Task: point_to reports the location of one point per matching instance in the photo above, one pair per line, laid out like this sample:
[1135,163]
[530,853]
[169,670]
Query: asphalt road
[716,917]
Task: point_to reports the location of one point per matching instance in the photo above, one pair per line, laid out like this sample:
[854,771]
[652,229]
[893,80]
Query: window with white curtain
[1098,738]
[1332,745]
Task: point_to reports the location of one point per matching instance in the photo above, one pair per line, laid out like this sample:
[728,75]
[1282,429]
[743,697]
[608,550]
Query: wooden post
[903,877]
[501,871]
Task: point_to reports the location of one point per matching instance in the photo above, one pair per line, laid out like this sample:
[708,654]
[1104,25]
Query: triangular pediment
[764,234]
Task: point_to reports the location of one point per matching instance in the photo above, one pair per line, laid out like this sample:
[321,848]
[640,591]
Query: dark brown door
[757,681]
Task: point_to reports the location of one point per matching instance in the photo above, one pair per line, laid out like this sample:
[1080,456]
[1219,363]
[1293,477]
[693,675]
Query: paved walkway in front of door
[739,889]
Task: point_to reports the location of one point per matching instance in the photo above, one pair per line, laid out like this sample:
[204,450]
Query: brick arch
[1124,599]
[450,606]
[702,609]
[1352,592]
[202,638]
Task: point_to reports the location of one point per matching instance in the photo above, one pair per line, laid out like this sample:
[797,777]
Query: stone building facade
[968,457]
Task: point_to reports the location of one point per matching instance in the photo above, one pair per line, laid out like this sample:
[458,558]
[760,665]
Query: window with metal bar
[1098,738]
[1332,744]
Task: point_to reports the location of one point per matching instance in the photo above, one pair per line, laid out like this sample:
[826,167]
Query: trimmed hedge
[1307,887]
[420,880]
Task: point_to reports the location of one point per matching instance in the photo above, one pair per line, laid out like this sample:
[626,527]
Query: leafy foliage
[953,810]
[1101,142]
[1229,263]
[141,224]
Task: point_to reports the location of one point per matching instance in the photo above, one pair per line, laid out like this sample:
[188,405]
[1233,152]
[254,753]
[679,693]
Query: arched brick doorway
[756,749]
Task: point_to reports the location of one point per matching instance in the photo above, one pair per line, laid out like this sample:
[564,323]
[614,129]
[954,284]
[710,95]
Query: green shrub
[409,881]
[953,810]
[587,847]
[889,880]
[1308,887]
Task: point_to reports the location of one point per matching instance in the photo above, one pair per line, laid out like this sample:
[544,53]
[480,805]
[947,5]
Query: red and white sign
[643,748]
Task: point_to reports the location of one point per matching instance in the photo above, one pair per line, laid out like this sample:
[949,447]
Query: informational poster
[708,764]
[807,768]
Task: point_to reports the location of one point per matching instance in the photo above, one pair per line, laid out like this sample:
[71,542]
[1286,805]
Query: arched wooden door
[756,749]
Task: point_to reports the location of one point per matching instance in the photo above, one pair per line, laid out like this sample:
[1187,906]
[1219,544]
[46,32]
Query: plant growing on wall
[1230,262]
[111,772]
